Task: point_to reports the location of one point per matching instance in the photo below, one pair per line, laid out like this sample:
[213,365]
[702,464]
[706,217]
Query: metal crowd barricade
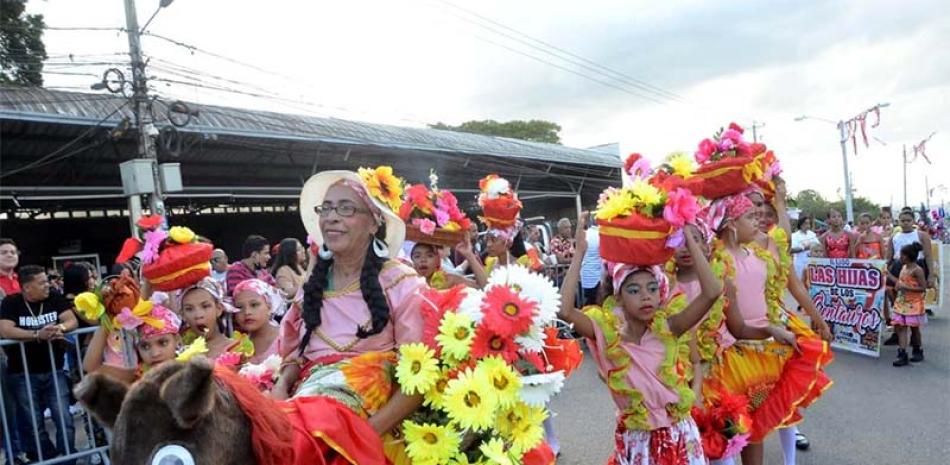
[92,447]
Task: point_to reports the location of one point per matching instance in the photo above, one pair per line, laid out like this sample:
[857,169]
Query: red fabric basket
[723,177]
[635,240]
[179,266]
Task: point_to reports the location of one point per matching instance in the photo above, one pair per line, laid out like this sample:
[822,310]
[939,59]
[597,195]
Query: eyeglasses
[344,210]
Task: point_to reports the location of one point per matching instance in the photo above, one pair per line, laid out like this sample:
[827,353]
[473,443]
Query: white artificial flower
[471,305]
[532,340]
[537,390]
[497,187]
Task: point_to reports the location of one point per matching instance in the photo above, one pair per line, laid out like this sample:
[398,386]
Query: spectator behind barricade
[38,316]
[255,253]
[562,244]
[592,266]
[55,280]
[9,258]
[219,266]
[290,267]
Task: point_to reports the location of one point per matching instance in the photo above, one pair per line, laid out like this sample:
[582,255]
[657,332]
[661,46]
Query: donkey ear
[189,394]
[102,396]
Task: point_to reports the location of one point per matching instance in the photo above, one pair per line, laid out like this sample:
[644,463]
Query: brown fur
[174,403]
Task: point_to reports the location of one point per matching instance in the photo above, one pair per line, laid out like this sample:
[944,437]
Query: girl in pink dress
[256,302]
[634,341]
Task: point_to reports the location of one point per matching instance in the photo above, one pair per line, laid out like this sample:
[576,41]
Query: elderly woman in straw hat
[340,336]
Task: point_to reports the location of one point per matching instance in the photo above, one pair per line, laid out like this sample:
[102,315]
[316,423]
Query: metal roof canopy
[267,155]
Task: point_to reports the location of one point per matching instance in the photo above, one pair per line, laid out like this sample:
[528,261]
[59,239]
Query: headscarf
[726,208]
[273,299]
[360,190]
[619,272]
[212,287]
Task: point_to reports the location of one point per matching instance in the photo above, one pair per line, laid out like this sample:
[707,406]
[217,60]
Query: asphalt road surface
[874,414]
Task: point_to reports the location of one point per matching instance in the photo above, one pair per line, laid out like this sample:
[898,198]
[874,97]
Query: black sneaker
[801,441]
[901,358]
[929,312]
[891,341]
[917,355]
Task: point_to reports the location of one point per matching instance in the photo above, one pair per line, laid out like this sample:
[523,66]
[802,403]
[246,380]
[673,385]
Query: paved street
[874,414]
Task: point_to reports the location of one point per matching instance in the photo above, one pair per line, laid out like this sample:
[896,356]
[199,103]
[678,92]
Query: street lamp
[843,131]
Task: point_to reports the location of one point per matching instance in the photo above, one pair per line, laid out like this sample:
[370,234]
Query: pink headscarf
[360,190]
[620,271]
[212,287]
[726,208]
[267,292]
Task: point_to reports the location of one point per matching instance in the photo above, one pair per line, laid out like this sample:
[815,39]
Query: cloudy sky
[654,76]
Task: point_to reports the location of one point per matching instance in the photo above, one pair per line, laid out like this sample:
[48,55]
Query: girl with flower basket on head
[634,335]
[504,243]
[433,221]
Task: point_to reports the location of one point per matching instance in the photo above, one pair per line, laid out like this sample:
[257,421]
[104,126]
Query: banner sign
[849,295]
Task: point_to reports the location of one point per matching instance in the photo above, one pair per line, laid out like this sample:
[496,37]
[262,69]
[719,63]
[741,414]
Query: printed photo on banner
[849,294]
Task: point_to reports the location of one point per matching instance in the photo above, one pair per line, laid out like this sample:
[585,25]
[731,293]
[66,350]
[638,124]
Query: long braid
[373,292]
[313,299]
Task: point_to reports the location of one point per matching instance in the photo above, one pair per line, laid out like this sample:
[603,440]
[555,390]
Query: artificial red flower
[130,247]
[488,343]
[757,148]
[636,166]
[149,222]
[562,354]
[714,444]
[731,405]
[434,305]
[506,312]
[736,127]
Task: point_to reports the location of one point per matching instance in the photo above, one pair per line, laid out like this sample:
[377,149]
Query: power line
[560,53]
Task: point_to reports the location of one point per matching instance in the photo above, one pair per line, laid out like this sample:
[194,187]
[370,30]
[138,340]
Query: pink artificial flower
[773,170]
[153,241]
[731,134]
[637,167]
[681,208]
[726,145]
[706,150]
[441,217]
[127,320]
[425,225]
[676,240]
[229,359]
[735,445]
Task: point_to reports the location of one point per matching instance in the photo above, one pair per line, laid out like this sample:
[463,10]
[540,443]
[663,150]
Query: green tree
[535,130]
[814,205]
[21,45]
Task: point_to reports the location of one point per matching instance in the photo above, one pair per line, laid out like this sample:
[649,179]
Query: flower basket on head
[728,164]
[499,203]
[641,224]
[176,259]
[433,216]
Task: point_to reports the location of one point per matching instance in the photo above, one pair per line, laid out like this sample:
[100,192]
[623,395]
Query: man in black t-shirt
[38,318]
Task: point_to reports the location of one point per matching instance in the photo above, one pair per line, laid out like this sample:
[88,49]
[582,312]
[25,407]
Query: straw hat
[316,189]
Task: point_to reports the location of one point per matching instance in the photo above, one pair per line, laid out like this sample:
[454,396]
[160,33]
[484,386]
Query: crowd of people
[676,282]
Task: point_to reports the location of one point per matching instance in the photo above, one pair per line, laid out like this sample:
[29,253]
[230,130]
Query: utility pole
[905,175]
[848,202]
[755,126]
[141,107]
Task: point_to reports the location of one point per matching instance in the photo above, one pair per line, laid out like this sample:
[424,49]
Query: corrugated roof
[45,105]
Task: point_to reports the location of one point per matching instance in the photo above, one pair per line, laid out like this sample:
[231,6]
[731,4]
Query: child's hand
[784,336]
[820,327]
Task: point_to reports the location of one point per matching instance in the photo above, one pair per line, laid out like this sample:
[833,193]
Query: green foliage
[814,205]
[534,130]
[21,45]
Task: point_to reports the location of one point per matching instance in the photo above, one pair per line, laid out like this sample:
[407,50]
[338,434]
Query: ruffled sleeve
[403,288]
[291,330]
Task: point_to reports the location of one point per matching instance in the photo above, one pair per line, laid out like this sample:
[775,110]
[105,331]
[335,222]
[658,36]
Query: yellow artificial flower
[181,234]
[681,164]
[648,195]
[503,379]
[616,203]
[430,442]
[456,332]
[494,451]
[522,425]
[418,369]
[752,171]
[462,459]
[435,396]
[195,348]
[89,306]
[469,402]
[383,185]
